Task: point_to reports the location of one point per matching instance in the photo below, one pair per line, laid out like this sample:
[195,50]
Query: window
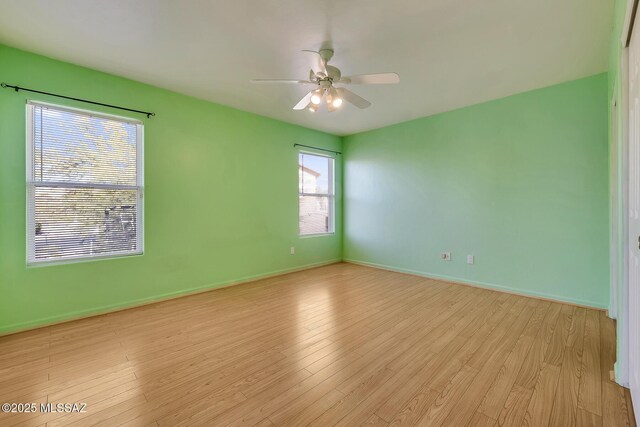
[315,194]
[84,184]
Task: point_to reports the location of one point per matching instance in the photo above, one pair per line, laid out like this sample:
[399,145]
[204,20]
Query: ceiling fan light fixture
[312,107]
[333,98]
[316,98]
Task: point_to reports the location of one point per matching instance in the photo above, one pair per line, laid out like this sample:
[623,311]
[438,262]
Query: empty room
[294,212]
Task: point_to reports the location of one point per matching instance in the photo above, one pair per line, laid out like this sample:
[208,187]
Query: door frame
[615,223]
[619,309]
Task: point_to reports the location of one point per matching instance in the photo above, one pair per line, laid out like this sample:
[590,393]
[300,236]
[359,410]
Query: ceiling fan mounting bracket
[326,54]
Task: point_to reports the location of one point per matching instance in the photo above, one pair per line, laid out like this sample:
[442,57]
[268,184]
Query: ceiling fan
[325,78]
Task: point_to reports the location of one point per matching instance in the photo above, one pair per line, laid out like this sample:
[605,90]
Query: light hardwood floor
[336,345]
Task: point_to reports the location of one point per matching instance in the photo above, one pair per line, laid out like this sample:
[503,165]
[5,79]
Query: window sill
[63,261]
[305,236]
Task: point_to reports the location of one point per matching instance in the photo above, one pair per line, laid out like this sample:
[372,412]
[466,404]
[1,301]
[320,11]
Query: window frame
[331,196]
[31,185]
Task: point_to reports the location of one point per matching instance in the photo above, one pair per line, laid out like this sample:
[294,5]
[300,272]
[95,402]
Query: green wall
[521,183]
[220,198]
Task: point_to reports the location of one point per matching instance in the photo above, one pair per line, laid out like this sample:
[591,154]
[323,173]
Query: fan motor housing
[334,72]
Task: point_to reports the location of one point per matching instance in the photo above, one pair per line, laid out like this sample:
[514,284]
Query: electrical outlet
[445,256]
[469,259]
[292,251]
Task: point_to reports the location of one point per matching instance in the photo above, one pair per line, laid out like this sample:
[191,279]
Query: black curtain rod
[316,148]
[18,88]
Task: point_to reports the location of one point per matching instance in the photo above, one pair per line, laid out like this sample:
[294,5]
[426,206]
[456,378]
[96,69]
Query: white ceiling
[449,53]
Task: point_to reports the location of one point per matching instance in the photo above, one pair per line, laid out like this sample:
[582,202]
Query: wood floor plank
[585,418]
[565,404]
[305,413]
[607,346]
[374,421]
[481,420]
[528,375]
[539,409]
[445,401]
[350,400]
[562,330]
[577,329]
[416,408]
[515,406]
[590,393]
[433,364]
[465,407]
[493,401]
[614,408]
[335,345]
[630,413]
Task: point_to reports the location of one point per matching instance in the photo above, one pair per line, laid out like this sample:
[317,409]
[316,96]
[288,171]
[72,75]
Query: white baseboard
[484,285]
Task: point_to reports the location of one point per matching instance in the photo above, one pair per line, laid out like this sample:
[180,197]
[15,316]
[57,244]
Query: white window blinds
[84,183]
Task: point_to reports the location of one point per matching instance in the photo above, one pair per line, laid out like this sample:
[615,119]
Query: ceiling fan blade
[351,97]
[371,79]
[304,102]
[320,64]
[281,81]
